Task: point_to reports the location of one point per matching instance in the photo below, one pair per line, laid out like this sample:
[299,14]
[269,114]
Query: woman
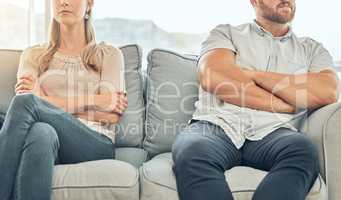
[69,92]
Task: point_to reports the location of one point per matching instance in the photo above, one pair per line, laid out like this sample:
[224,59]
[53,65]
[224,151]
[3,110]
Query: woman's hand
[25,84]
[112,103]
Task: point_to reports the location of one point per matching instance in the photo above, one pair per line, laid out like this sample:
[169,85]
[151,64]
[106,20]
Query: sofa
[161,102]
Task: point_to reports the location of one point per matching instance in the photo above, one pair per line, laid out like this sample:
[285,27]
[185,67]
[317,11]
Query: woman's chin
[67,21]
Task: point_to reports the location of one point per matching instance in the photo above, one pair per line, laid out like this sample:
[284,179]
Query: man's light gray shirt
[257,49]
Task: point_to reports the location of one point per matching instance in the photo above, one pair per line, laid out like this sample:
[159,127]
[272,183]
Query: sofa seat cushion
[158,181]
[102,179]
[131,155]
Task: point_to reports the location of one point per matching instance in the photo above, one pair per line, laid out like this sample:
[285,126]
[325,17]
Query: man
[257,80]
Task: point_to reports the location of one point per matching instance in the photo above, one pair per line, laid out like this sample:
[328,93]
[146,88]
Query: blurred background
[171,24]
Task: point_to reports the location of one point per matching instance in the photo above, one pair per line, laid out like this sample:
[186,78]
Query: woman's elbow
[114,118]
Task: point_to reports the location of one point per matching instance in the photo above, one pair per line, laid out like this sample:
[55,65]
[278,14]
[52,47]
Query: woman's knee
[44,136]
[23,98]
[23,101]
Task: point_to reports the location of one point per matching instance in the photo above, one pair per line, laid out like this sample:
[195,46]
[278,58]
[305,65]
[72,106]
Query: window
[183,25]
[22,23]
[173,24]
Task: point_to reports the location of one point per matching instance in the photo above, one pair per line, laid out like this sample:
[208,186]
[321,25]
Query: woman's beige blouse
[67,76]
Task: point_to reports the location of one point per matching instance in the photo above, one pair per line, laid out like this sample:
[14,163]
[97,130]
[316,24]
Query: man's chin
[284,19]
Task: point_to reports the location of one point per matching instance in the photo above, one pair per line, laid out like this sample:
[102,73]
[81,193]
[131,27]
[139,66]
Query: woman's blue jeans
[35,136]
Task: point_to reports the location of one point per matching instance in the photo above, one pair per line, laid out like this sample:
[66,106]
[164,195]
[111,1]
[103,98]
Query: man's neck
[73,39]
[276,29]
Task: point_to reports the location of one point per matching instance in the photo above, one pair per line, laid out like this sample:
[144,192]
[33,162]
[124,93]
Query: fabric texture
[68,77]
[323,128]
[170,95]
[158,181]
[131,155]
[202,152]
[94,180]
[2,118]
[256,49]
[130,130]
[24,155]
[9,66]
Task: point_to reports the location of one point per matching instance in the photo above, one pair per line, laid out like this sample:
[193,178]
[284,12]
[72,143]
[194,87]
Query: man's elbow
[330,97]
[205,83]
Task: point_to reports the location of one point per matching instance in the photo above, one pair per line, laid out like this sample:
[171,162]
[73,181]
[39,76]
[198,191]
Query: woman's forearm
[98,116]
[71,105]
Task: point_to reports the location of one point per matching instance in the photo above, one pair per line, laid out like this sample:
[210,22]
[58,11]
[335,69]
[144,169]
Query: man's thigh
[281,144]
[205,141]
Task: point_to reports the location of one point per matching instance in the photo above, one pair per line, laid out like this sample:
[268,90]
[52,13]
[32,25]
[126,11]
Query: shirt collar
[262,32]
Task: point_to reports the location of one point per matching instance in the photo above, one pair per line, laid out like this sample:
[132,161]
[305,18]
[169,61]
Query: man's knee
[302,151]
[304,146]
[187,148]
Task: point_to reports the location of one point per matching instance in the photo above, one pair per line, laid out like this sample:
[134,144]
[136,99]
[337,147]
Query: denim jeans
[203,152]
[35,136]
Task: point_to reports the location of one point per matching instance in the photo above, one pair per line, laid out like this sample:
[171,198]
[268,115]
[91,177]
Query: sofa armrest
[324,128]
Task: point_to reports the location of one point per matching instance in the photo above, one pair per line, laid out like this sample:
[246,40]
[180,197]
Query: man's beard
[274,15]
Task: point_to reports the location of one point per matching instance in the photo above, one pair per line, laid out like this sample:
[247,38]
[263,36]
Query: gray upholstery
[9,62]
[103,179]
[324,128]
[158,181]
[118,179]
[130,129]
[134,156]
[171,91]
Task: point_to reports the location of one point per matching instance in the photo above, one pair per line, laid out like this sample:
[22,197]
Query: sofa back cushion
[171,91]
[130,130]
[131,127]
[8,70]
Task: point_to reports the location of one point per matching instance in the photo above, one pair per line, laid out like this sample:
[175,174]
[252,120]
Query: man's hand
[303,91]
[25,84]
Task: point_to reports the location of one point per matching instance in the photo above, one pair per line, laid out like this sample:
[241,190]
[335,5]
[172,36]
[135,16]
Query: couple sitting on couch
[255,79]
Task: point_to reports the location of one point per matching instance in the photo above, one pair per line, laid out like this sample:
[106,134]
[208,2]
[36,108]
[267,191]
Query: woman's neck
[73,39]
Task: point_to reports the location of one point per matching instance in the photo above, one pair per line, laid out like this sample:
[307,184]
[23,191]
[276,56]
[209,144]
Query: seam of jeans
[35,105]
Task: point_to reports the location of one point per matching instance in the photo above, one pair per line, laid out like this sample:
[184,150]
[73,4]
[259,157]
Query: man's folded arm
[310,90]
[220,76]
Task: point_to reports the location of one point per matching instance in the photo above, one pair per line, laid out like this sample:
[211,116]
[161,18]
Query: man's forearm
[239,89]
[310,90]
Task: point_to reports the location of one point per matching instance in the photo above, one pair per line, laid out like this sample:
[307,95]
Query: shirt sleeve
[112,70]
[321,59]
[219,37]
[29,63]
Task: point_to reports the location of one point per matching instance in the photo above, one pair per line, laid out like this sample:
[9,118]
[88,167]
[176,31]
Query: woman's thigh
[78,142]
